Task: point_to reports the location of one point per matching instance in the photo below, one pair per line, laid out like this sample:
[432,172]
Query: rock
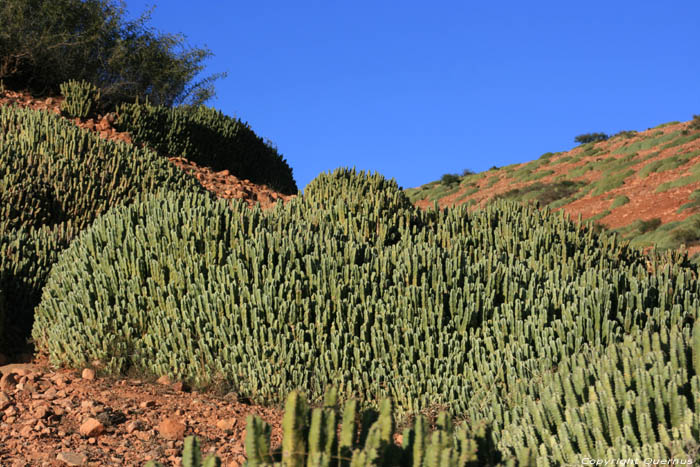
[4,400]
[72,458]
[226,424]
[165,379]
[91,428]
[179,386]
[133,425]
[41,412]
[147,404]
[170,428]
[88,374]
[8,382]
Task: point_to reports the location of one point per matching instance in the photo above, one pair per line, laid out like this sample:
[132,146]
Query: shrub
[209,138]
[590,138]
[688,233]
[44,43]
[645,226]
[625,134]
[450,179]
[695,123]
[80,98]
[619,201]
[467,172]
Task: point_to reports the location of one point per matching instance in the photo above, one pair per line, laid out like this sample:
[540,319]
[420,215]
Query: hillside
[161,305]
[644,185]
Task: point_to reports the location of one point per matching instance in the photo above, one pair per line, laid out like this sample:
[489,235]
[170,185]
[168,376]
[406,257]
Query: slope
[644,185]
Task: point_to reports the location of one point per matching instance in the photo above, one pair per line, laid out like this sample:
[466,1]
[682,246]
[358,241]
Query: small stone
[164,380]
[226,424]
[4,400]
[91,428]
[179,386]
[8,382]
[147,404]
[171,429]
[50,393]
[42,411]
[72,458]
[88,374]
[133,425]
[26,431]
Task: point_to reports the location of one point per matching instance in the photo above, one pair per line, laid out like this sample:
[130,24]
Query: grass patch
[467,193]
[544,193]
[598,216]
[693,204]
[694,177]
[683,139]
[619,201]
[664,125]
[647,143]
[610,182]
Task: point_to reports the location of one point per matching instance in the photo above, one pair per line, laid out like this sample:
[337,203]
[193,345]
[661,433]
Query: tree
[44,43]
[591,138]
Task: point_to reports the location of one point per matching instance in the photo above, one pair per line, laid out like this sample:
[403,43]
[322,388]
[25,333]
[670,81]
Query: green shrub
[209,138]
[688,233]
[44,43]
[695,123]
[450,179]
[620,200]
[645,226]
[625,134]
[590,138]
[467,172]
[81,98]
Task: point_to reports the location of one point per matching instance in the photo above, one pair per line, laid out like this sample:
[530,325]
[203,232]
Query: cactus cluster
[209,138]
[80,98]
[55,179]
[312,438]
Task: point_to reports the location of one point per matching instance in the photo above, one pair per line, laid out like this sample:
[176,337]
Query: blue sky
[414,90]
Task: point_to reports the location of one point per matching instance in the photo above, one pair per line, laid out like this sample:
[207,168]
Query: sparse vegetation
[649,225]
[619,201]
[545,194]
[450,179]
[590,138]
[695,123]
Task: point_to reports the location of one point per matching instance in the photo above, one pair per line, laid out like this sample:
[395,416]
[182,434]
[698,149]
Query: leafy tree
[44,43]
[591,138]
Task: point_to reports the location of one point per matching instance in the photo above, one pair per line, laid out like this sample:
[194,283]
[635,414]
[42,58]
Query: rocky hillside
[644,185]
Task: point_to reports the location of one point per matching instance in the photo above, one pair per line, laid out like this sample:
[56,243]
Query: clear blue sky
[414,90]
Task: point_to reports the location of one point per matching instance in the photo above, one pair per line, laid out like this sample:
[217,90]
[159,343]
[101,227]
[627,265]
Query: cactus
[472,311]
[445,448]
[192,456]
[80,98]
[209,138]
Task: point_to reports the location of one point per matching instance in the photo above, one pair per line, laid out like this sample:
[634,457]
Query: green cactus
[192,456]
[80,98]
[209,138]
